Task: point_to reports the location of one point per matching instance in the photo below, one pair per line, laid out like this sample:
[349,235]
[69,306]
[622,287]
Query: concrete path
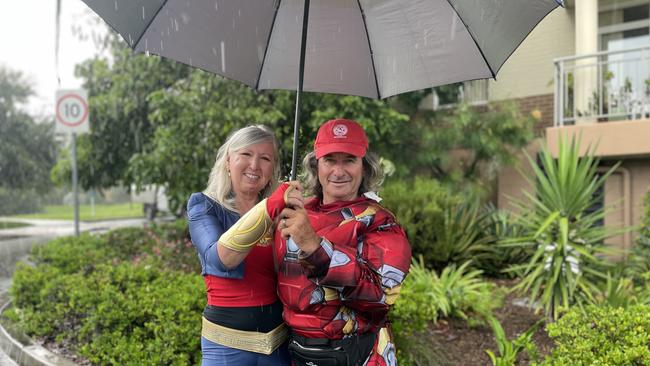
[5,360]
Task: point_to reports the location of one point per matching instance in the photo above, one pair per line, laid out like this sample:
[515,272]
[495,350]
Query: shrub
[441,226]
[121,298]
[601,336]
[166,243]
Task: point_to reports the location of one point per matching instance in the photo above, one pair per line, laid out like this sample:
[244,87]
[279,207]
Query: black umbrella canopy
[370,48]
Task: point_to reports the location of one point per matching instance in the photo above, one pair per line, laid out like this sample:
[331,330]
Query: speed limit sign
[72,111]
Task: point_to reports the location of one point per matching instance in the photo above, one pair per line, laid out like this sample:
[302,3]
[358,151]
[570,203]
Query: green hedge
[602,336]
[130,297]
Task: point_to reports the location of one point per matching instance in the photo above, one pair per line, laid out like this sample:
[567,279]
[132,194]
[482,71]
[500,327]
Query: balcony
[605,98]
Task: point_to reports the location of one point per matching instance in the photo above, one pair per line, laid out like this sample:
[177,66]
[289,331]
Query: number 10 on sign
[71,111]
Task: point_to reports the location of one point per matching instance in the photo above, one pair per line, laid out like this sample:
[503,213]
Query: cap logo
[340,131]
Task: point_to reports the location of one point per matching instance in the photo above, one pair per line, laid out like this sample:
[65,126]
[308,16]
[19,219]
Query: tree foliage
[119,114]
[27,150]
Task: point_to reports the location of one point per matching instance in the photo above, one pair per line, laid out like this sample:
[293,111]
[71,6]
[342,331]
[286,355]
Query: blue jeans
[217,355]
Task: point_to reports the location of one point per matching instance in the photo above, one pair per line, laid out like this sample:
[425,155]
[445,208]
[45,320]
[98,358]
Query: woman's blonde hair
[373,175]
[219,184]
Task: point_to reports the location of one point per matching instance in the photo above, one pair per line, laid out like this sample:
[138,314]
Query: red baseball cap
[341,135]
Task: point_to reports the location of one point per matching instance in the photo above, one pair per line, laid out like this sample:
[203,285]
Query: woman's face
[251,168]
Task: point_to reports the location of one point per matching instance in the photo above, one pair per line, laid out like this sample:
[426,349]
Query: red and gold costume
[345,287]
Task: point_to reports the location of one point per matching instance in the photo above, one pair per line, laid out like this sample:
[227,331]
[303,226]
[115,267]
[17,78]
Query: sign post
[71,119]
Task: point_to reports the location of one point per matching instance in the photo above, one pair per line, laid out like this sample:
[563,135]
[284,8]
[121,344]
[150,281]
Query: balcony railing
[602,87]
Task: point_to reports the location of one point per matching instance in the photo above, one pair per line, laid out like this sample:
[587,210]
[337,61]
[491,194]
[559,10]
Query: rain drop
[116,6]
[185,18]
[216,6]
[453,27]
[176,25]
[130,39]
[143,13]
[341,73]
[239,12]
[214,51]
[161,45]
[223,56]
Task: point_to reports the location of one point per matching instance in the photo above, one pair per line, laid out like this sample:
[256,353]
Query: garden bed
[465,345]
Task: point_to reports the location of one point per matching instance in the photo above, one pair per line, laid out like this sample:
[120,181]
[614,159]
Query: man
[341,256]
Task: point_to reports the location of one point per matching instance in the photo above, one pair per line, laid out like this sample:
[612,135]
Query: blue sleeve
[206,223]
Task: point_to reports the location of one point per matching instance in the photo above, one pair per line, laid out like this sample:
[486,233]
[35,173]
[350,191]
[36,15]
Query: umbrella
[370,48]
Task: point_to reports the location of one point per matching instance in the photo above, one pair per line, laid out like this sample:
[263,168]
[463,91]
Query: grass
[11,224]
[101,212]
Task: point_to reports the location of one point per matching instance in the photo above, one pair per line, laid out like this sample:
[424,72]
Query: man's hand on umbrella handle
[294,223]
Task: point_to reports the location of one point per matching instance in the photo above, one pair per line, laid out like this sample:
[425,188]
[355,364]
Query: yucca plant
[498,226]
[567,237]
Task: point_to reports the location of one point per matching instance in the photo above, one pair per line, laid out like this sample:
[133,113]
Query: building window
[474,92]
[625,25]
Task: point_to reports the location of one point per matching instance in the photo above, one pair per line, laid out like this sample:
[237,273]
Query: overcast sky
[27,39]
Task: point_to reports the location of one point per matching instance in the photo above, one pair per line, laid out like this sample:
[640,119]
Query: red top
[257,288]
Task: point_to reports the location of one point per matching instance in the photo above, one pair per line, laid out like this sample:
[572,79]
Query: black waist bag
[351,351]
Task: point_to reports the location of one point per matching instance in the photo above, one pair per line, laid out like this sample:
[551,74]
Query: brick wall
[541,103]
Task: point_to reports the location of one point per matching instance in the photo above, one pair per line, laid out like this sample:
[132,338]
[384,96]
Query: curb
[30,354]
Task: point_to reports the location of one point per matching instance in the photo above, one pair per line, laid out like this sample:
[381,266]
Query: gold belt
[264,343]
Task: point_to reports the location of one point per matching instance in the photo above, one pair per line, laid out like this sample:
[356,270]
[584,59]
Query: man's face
[340,174]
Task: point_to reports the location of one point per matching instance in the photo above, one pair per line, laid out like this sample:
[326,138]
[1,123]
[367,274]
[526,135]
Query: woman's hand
[293,196]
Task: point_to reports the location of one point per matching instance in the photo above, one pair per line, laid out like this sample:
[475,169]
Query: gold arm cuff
[264,343]
[250,229]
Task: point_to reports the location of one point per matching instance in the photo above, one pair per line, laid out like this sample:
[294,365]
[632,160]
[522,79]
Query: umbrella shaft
[301,74]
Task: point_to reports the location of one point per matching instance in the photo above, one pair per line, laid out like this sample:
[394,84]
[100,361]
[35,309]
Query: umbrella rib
[148,25]
[494,75]
[268,41]
[372,55]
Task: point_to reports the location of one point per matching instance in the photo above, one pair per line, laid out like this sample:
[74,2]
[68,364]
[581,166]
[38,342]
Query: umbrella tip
[560,2]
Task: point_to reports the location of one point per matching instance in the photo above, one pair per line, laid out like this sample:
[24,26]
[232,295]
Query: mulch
[458,343]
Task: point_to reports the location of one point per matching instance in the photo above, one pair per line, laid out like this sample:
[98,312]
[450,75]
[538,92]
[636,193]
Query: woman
[242,322]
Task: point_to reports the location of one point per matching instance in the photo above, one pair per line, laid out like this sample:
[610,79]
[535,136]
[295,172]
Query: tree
[119,114]
[463,145]
[27,148]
